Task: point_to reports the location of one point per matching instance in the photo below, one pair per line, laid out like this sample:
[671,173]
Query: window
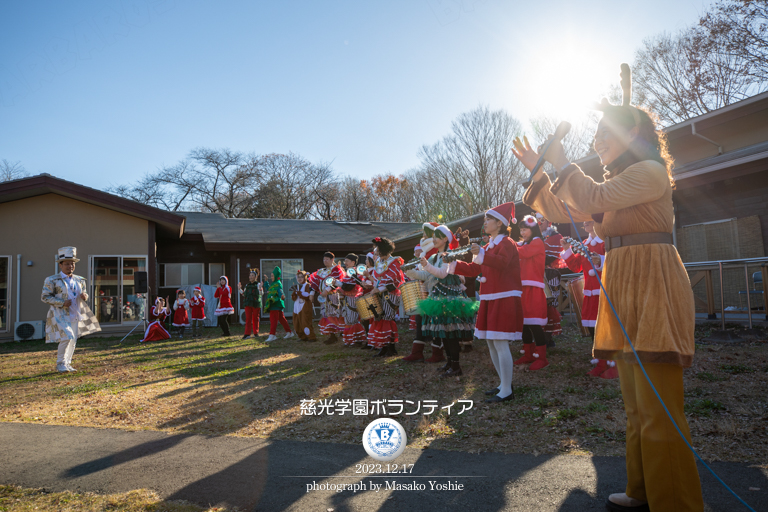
[5,289]
[215,271]
[181,274]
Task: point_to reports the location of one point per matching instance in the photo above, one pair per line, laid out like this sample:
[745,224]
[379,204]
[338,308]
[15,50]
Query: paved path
[267,475]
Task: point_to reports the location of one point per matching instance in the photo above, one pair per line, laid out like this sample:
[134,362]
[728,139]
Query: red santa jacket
[532,258]
[499,263]
[578,263]
[159,314]
[197,307]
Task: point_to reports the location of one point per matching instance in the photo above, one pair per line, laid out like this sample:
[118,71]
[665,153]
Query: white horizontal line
[382,476]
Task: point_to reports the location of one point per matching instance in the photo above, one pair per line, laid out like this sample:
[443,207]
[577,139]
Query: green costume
[447,312]
[275,300]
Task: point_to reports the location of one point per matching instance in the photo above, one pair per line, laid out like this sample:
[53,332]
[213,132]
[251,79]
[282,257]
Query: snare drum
[413,292]
[367,304]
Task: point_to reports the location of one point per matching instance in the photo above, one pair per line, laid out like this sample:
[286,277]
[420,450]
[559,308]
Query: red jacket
[499,263]
[197,307]
[578,263]
[532,259]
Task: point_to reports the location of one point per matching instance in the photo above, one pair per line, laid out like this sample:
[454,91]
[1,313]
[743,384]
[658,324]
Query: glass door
[289,269]
[133,303]
[115,300]
[106,289]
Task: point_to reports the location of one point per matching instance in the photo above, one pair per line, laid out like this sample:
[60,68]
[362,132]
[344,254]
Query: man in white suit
[69,316]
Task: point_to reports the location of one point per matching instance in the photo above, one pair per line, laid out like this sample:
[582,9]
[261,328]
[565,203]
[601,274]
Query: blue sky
[102,92]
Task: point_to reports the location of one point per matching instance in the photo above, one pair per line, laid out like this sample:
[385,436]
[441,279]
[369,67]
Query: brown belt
[614,242]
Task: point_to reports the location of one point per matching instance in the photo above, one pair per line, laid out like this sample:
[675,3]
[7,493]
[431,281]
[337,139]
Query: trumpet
[456,254]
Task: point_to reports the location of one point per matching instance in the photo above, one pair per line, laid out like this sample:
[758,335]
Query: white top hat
[67,254]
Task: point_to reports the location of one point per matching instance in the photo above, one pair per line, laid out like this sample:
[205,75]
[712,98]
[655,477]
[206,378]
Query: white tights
[502,361]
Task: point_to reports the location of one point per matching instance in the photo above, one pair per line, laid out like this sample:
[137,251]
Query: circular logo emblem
[384,439]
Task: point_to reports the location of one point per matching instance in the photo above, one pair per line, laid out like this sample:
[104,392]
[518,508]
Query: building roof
[219,232]
[168,223]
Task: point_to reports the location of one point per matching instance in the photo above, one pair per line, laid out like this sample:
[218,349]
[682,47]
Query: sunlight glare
[568,80]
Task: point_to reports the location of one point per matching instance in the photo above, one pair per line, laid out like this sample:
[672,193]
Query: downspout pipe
[18,290]
[696,134]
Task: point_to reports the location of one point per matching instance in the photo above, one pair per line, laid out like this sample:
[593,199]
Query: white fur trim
[611,363]
[595,361]
[589,323]
[482,279]
[499,216]
[536,355]
[522,351]
[567,253]
[530,221]
[498,335]
[479,258]
[591,293]
[591,272]
[501,295]
[446,231]
[535,284]
[534,321]
[417,342]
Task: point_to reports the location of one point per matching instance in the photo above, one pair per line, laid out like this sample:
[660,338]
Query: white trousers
[67,348]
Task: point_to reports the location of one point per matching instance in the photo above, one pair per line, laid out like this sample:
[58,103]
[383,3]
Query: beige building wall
[36,227]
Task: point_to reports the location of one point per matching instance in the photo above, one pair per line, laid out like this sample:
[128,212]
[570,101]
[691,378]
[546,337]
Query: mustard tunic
[647,284]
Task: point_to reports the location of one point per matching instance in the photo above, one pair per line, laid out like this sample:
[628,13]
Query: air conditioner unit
[24,331]
[242,317]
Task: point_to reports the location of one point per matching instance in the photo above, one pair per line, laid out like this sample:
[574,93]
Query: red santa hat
[452,242]
[504,212]
[430,226]
[417,248]
[198,289]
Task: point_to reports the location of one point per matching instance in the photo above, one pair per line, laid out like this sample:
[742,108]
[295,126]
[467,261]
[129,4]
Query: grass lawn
[18,499]
[230,386]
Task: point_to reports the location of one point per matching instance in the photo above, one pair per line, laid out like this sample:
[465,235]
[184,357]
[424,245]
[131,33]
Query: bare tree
[689,74]
[471,169]
[11,170]
[739,29]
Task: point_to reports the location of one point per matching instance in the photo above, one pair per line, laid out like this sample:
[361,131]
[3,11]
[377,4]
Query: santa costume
[532,257]
[591,302]
[224,294]
[197,311]
[500,317]
[155,330]
[180,314]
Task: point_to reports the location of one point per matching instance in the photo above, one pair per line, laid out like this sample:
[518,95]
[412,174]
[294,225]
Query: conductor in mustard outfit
[648,286]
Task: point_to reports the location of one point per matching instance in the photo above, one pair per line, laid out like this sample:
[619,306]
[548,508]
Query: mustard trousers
[660,468]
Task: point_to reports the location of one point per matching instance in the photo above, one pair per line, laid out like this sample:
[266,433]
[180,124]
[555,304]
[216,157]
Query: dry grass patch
[18,499]
[250,388]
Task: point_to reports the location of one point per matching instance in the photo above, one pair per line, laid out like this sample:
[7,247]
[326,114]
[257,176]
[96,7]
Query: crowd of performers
[516,271]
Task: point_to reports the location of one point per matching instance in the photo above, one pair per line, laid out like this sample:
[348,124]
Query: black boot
[383,352]
[392,350]
[331,339]
[447,365]
[549,339]
[454,370]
